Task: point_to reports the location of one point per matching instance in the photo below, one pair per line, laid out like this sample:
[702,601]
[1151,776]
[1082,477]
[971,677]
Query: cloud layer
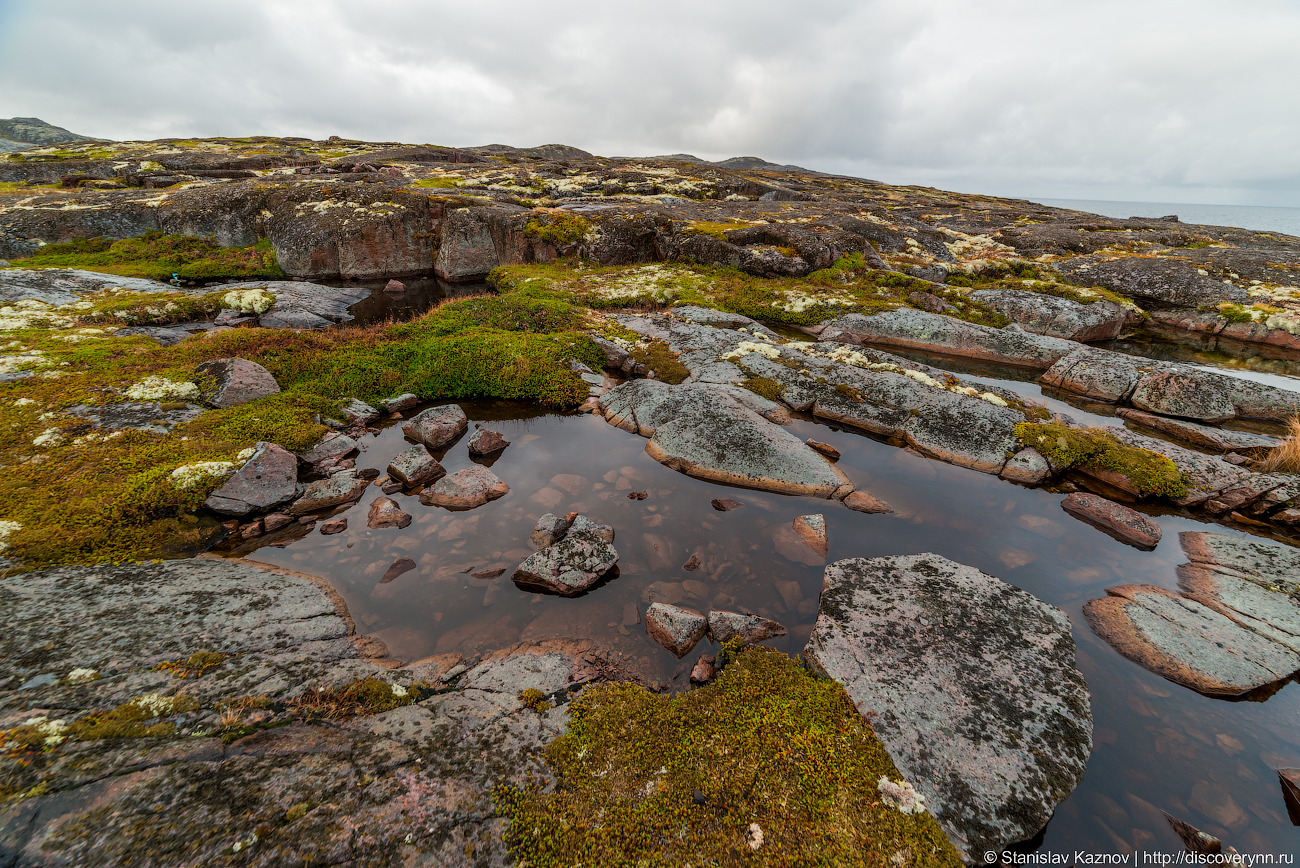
[1142,99]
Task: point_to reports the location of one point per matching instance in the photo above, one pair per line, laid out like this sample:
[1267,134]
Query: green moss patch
[158,256]
[1095,448]
[644,779]
[657,356]
[559,229]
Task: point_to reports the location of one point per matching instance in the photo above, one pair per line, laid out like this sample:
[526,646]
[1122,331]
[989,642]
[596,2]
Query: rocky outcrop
[59,286]
[465,489]
[234,381]
[972,687]
[1056,317]
[1170,281]
[266,480]
[572,561]
[1124,524]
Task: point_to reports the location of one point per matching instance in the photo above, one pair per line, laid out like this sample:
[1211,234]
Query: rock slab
[1126,525]
[974,687]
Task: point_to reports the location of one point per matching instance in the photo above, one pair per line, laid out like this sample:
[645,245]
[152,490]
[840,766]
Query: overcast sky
[1183,101]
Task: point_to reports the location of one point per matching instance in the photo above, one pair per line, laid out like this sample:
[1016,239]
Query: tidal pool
[1158,746]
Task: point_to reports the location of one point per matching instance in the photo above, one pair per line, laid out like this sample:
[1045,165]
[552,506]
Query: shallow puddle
[1158,746]
[418,296]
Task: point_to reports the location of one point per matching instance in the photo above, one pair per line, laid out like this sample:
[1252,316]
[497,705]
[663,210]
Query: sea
[1258,217]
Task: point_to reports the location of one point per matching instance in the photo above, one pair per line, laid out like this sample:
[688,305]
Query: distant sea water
[1259,217]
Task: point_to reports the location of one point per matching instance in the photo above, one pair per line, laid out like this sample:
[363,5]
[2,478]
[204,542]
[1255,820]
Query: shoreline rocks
[465,489]
[436,426]
[675,628]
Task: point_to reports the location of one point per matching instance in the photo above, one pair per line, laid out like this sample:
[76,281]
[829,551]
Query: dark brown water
[1158,746]
[420,294]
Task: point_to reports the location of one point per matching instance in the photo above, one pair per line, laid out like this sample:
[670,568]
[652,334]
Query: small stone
[384,512]
[1027,466]
[436,426]
[391,487]
[725,626]
[696,795]
[251,531]
[358,412]
[485,442]
[370,473]
[465,489]
[702,673]
[332,447]
[637,495]
[860,501]
[233,381]
[399,566]
[326,493]
[726,504]
[824,448]
[228,318]
[1127,525]
[395,286]
[334,526]
[676,629]
[693,564]
[415,467]
[488,574]
[812,530]
[275,521]
[397,404]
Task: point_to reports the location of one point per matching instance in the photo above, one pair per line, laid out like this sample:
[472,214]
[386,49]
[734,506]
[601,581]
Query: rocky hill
[17,134]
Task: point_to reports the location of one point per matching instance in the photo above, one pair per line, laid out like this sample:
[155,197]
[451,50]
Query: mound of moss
[644,779]
[1150,472]
[158,256]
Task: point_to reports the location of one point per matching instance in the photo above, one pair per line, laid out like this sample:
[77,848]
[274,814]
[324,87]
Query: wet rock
[676,629]
[825,448]
[488,574]
[384,512]
[485,442]
[921,330]
[1290,781]
[333,526]
[1126,525]
[397,568]
[436,426]
[233,381]
[860,501]
[358,412]
[465,489]
[397,404]
[1254,583]
[570,566]
[709,434]
[1194,839]
[415,466]
[725,626]
[974,687]
[1204,436]
[1027,466]
[812,530]
[726,504]
[549,530]
[326,493]
[267,479]
[1187,642]
[704,669]
[1049,315]
[331,448]
[276,520]
[1174,394]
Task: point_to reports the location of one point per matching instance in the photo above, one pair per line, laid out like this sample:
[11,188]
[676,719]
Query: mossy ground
[1150,472]
[157,256]
[1029,278]
[82,496]
[643,779]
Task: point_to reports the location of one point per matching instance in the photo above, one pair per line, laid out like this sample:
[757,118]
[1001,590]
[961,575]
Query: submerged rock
[860,501]
[973,686]
[1126,525]
[574,562]
[267,479]
[436,426]
[397,568]
[676,629]
[724,626]
[233,381]
[812,530]
[465,489]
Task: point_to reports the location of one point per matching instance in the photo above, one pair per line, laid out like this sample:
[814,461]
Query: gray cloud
[1143,99]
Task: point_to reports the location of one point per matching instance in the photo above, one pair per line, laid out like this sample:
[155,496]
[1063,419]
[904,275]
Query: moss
[766,743]
[656,356]
[196,665]
[1235,313]
[297,812]
[133,719]
[560,229]
[363,696]
[437,183]
[1096,448]
[718,228]
[158,256]
[534,700]
[764,386]
[846,391]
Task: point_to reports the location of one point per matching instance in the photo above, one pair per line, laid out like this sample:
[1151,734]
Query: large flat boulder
[59,286]
[1254,583]
[1049,315]
[973,686]
[1188,642]
[1171,281]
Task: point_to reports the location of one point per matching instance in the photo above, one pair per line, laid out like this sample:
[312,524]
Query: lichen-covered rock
[398,403]
[549,530]
[1174,394]
[1188,642]
[1055,317]
[484,442]
[358,412]
[1126,525]
[725,626]
[569,566]
[465,489]
[1170,281]
[1204,436]
[415,466]
[676,629]
[337,490]
[233,381]
[436,426]
[267,479]
[1027,466]
[582,524]
[1254,583]
[973,686]
[384,512]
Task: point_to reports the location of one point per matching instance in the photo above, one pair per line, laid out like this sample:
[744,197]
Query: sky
[1143,100]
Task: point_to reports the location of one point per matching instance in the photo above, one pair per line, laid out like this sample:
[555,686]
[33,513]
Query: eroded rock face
[675,628]
[436,426]
[1126,525]
[577,559]
[974,687]
[1164,280]
[234,381]
[266,480]
[465,489]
